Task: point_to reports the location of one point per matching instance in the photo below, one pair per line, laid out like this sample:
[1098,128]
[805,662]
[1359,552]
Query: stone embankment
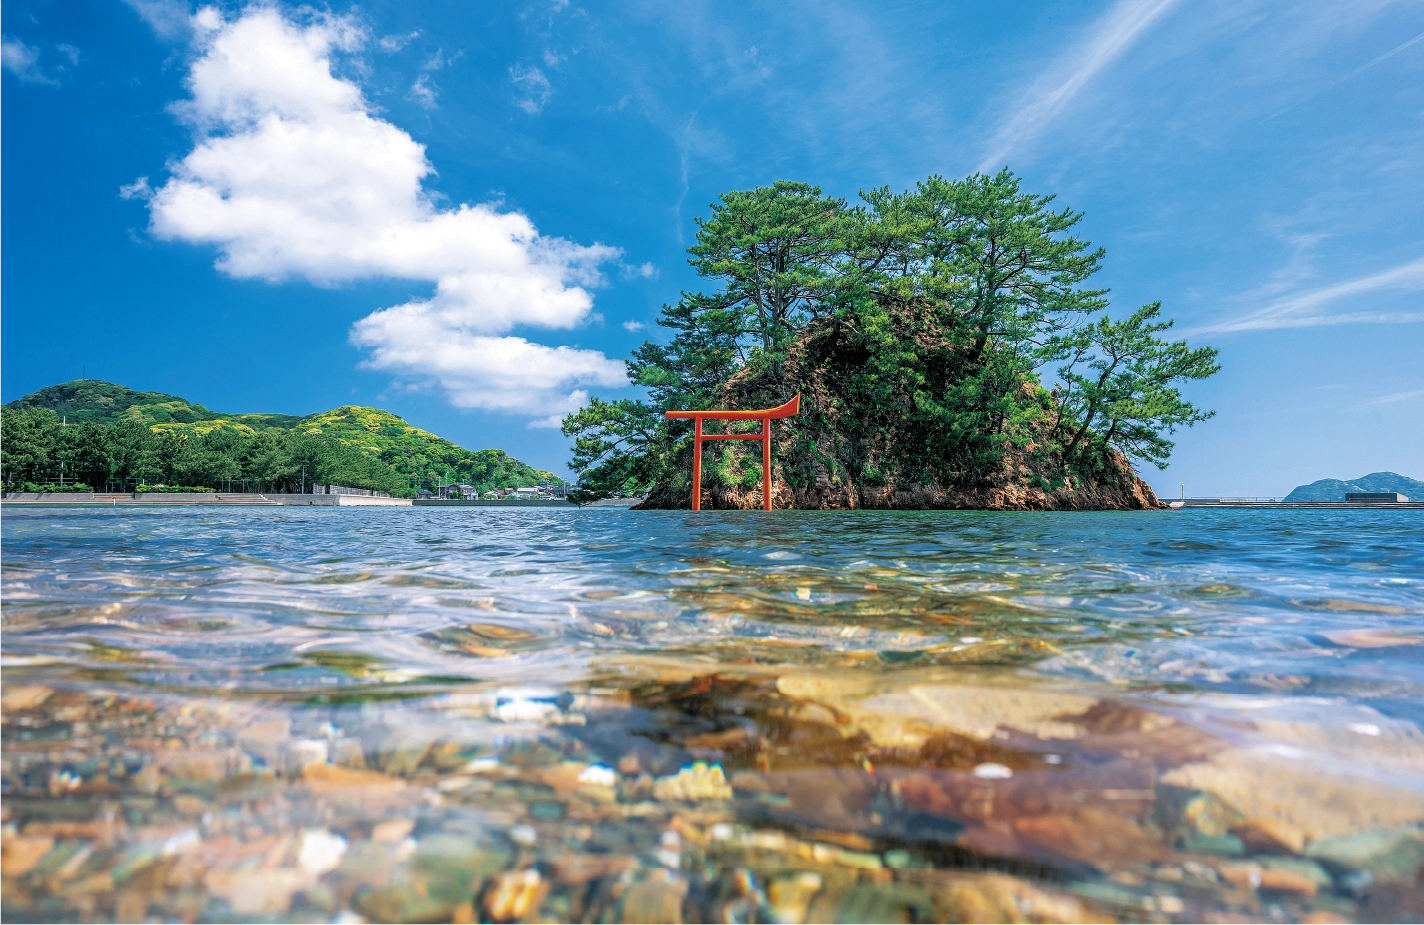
[1017,486]
[249,499]
[1264,505]
[179,499]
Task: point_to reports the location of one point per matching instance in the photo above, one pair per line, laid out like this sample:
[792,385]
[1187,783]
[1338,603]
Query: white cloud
[506,374]
[438,60]
[1050,95]
[293,177]
[760,71]
[170,20]
[423,92]
[633,325]
[394,43]
[1310,308]
[23,61]
[534,88]
[138,189]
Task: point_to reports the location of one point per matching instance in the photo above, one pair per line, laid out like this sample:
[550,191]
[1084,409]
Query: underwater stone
[403,902]
[789,896]
[1207,815]
[694,782]
[656,898]
[1390,856]
[514,894]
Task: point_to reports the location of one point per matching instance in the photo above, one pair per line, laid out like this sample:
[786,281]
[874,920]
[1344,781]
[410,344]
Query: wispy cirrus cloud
[1355,73]
[534,88]
[1316,307]
[170,20]
[423,92]
[395,43]
[1053,92]
[1397,396]
[24,62]
[1386,56]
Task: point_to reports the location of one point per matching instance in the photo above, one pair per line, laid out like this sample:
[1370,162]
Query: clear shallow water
[604,714]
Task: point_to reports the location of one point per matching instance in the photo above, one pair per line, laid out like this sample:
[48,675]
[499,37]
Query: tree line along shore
[95,435]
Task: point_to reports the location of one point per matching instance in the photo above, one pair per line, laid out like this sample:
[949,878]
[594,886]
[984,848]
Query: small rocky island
[948,346]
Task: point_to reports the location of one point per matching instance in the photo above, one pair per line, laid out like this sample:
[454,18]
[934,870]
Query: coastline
[1252,504]
[222,499]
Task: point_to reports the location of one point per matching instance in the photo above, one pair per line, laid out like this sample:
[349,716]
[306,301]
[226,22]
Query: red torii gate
[766,416]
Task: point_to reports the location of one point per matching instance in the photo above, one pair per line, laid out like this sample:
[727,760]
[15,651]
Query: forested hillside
[99,433]
[948,344]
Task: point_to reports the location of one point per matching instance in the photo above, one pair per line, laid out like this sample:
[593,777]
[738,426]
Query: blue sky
[465,213]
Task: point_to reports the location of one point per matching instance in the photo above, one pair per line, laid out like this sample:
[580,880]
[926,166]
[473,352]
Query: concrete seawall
[1208,503]
[461,502]
[338,501]
[251,499]
[187,499]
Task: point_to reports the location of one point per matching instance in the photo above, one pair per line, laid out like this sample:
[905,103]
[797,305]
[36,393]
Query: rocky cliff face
[1009,490]
[845,453]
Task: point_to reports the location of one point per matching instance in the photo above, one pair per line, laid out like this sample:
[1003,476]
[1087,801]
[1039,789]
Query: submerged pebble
[514,895]
[724,751]
[694,782]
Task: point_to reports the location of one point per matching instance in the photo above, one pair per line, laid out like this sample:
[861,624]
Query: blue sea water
[1298,634]
[1228,601]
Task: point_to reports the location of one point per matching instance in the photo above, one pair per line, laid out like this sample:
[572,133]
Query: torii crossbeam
[766,416]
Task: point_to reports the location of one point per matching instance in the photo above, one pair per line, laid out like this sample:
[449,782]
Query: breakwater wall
[188,499]
[251,499]
[1253,504]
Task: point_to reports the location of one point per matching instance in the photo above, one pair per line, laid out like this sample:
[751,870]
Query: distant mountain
[408,450]
[1334,489]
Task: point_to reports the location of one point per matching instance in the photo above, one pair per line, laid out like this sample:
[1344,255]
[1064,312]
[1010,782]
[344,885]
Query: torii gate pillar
[766,416]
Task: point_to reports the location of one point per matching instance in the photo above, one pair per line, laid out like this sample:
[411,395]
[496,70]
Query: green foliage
[27,436]
[998,262]
[1128,391]
[775,251]
[421,455]
[914,325]
[173,489]
[622,447]
[126,452]
[115,433]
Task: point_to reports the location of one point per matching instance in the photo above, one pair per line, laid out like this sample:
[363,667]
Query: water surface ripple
[601,714]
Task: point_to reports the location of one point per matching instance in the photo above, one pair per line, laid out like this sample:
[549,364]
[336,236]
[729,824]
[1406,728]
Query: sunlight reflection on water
[459,708]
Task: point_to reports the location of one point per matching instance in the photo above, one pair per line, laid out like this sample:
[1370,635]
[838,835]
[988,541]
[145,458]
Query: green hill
[415,452]
[93,400]
[1334,489]
[400,452]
